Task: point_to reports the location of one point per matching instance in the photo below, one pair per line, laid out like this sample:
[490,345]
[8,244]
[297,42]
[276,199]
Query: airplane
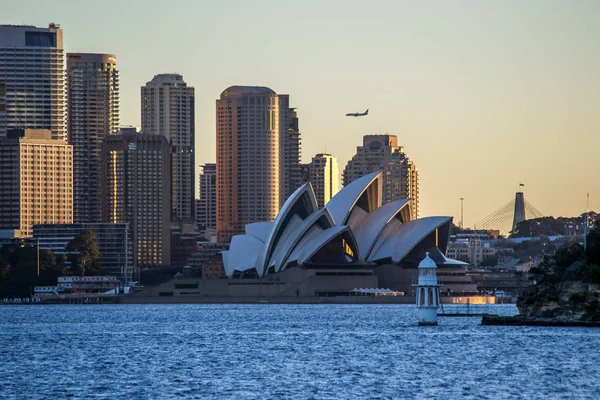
[358,114]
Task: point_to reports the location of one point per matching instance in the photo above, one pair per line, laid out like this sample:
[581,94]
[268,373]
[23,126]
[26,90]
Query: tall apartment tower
[168,110]
[324,176]
[400,175]
[292,155]
[258,146]
[32,79]
[36,180]
[206,210]
[92,113]
[136,188]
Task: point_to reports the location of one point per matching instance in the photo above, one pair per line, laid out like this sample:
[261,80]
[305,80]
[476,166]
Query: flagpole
[585,225]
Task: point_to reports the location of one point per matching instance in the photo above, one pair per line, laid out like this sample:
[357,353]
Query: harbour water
[272,351]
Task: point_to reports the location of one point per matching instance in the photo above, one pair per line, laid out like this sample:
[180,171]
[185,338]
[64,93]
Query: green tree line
[19,265]
[569,263]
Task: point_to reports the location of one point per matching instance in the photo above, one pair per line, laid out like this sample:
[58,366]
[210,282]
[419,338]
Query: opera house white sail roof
[353,228]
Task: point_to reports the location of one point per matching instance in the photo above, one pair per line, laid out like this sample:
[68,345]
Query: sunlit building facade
[136,187]
[258,150]
[400,174]
[325,177]
[168,110]
[92,113]
[36,180]
[32,79]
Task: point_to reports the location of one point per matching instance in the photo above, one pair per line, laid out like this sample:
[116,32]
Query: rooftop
[235,91]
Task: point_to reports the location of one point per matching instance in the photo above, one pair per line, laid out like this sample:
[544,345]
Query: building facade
[207,259]
[206,205]
[114,244]
[324,176]
[36,180]
[292,155]
[473,248]
[400,175]
[32,79]
[257,148]
[136,188]
[92,113]
[168,110]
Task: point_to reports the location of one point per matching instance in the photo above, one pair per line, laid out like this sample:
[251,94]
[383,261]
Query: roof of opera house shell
[353,228]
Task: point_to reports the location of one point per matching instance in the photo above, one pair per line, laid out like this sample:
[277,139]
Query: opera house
[353,234]
[352,245]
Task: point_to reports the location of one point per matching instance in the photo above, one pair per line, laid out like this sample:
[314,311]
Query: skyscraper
[168,110]
[32,79]
[400,175]
[92,113]
[292,155]
[324,177]
[36,181]
[206,210]
[136,188]
[258,146]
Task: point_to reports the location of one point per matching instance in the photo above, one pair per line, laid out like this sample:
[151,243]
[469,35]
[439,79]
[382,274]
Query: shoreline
[450,302]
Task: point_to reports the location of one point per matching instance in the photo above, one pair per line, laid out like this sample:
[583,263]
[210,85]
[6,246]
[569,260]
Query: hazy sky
[484,95]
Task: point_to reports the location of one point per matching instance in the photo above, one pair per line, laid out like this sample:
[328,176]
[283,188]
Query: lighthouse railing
[415,281]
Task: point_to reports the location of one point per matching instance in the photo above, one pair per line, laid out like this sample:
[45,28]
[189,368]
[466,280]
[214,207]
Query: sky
[483,95]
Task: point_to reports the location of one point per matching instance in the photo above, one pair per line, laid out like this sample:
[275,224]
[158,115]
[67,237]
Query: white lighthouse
[428,292]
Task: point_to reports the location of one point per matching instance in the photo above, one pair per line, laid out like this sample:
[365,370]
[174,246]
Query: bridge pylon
[519,213]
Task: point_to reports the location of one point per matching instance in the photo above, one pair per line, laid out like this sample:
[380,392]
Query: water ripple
[285,352]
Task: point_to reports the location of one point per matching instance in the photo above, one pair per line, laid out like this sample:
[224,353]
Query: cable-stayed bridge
[506,218]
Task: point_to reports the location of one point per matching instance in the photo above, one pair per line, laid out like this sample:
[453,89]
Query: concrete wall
[291,283]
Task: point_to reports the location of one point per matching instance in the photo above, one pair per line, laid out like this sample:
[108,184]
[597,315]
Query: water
[285,352]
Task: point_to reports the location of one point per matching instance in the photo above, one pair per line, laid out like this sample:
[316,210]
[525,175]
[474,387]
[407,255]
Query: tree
[542,271]
[84,254]
[23,272]
[4,270]
[50,269]
[566,255]
[593,244]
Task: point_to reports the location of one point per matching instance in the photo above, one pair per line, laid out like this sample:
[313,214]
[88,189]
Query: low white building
[473,249]
[88,284]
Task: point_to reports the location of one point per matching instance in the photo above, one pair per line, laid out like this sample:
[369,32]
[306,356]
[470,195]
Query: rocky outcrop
[561,301]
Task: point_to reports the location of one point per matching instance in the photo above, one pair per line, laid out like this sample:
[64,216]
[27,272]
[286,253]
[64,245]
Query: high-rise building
[36,180]
[206,210]
[92,113]
[400,175]
[324,176]
[168,110]
[292,155]
[32,79]
[136,188]
[258,146]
